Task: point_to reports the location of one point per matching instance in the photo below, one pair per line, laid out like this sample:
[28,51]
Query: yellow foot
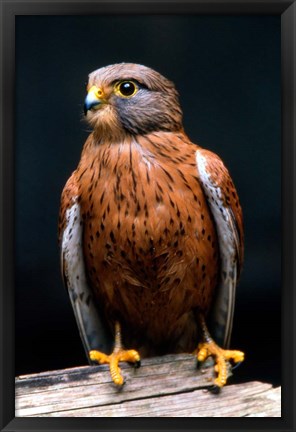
[113,360]
[221,356]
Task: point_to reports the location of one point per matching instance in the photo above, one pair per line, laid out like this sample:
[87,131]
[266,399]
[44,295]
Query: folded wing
[92,329]
[224,205]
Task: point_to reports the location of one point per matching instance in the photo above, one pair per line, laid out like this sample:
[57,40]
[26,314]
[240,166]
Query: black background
[227,70]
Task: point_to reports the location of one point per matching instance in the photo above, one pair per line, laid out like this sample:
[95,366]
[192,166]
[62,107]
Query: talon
[198,364]
[118,355]
[137,364]
[221,360]
[215,389]
[236,365]
[221,356]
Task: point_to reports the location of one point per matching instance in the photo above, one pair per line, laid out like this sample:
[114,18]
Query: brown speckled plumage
[149,239]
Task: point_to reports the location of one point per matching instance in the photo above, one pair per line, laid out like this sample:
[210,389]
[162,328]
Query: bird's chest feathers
[142,226]
[131,196]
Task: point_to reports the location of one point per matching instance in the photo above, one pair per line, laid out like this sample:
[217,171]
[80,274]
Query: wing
[92,330]
[225,208]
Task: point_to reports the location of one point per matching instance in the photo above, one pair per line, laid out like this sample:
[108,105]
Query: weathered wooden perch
[169,386]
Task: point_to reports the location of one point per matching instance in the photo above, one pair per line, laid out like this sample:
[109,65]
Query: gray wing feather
[224,302]
[93,331]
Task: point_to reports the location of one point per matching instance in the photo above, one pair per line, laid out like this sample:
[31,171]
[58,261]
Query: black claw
[236,365]
[198,364]
[137,364]
[120,387]
[214,389]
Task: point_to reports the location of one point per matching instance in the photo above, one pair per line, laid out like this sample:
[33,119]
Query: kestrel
[150,229]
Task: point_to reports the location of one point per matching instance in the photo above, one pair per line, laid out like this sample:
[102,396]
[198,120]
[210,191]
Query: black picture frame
[9,10]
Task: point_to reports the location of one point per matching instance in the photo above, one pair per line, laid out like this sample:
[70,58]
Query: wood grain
[169,386]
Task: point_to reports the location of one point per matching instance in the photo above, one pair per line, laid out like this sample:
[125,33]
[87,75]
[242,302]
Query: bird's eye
[126,89]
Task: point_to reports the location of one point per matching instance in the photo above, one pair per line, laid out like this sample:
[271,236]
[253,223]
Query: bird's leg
[118,355]
[209,348]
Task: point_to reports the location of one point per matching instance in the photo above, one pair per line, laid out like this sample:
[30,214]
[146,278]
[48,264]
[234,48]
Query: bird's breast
[150,243]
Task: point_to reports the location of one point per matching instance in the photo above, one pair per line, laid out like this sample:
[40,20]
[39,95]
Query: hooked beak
[93,99]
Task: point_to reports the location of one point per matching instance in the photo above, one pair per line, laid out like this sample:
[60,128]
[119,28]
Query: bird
[150,230]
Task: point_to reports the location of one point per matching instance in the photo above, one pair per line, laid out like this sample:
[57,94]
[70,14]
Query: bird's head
[131,99]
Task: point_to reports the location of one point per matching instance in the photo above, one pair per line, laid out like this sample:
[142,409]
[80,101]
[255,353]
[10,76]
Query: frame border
[11,8]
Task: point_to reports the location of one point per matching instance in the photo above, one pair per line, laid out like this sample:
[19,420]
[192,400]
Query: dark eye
[126,89]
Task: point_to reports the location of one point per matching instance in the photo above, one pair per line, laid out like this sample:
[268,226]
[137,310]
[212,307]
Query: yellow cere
[98,92]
